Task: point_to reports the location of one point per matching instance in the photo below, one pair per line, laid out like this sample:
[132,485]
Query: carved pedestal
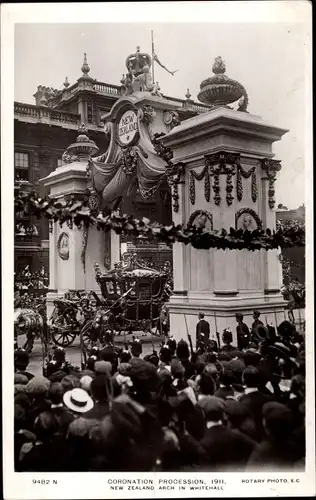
[227,181]
[72,251]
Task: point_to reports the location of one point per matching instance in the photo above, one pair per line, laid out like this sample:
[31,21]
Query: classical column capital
[223,158]
[271,166]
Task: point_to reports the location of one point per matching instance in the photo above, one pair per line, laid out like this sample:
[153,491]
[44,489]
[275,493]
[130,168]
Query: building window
[21,166]
[90,112]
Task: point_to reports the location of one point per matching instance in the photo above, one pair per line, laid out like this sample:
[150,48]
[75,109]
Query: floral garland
[286,235]
[173,172]
[242,173]
[207,184]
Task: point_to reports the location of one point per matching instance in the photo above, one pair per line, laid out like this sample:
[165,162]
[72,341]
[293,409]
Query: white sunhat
[78,400]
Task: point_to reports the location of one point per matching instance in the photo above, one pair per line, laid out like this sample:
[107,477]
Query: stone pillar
[115,248]
[179,253]
[225,154]
[73,251]
[65,267]
[82,110]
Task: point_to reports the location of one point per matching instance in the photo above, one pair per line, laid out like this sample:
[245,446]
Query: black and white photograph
[160,294]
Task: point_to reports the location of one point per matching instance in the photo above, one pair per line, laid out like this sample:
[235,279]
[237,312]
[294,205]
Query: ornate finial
[188,95]
[219,66]
[82,129]
[43,100]
[220,90]
[66,83]
[85,68]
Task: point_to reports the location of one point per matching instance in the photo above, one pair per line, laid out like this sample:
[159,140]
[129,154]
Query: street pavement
[73,354]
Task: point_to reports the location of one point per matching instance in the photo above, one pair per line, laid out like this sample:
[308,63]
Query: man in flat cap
[253,398]
[226,449]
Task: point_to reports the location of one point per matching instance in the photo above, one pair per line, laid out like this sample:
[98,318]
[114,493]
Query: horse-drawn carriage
[133,298]
[132,301]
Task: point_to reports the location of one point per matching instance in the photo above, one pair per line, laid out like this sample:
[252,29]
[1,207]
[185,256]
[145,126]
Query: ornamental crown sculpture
[138,77]
[220,90]
[136,62]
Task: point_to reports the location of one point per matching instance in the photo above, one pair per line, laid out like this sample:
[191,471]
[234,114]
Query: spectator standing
[225,448]
[58,410]
[101,390]
[277,451]
[256,315]
[202,328]
[227,339]
[243,334]
[226,380]
[253,399]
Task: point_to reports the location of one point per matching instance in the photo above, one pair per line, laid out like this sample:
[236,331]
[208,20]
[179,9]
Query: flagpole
[152,54]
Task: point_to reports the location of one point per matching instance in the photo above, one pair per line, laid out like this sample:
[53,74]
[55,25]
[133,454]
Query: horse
[30,323]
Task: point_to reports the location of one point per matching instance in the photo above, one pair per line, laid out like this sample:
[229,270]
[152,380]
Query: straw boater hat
[78,400]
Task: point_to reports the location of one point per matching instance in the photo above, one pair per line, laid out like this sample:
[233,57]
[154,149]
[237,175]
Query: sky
[267,58]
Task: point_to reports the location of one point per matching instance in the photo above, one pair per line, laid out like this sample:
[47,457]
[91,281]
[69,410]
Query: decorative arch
[250,212]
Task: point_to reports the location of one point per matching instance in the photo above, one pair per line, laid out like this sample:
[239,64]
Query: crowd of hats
[214,409]
[79,212]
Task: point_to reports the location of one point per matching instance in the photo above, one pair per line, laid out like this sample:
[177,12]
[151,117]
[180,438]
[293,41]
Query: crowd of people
[221,407]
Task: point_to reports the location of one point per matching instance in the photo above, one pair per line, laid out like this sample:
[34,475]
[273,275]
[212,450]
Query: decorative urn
[220,90]
[83,147]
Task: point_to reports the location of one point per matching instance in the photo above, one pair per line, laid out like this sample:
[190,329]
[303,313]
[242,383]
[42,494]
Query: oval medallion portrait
[63,246]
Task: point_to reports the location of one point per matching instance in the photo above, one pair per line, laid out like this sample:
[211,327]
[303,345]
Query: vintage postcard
[157,215]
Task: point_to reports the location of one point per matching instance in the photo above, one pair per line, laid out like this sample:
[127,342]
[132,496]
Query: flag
[155,57]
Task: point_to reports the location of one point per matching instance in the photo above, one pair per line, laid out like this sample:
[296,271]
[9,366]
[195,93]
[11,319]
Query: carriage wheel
[62,334]
[63,338]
